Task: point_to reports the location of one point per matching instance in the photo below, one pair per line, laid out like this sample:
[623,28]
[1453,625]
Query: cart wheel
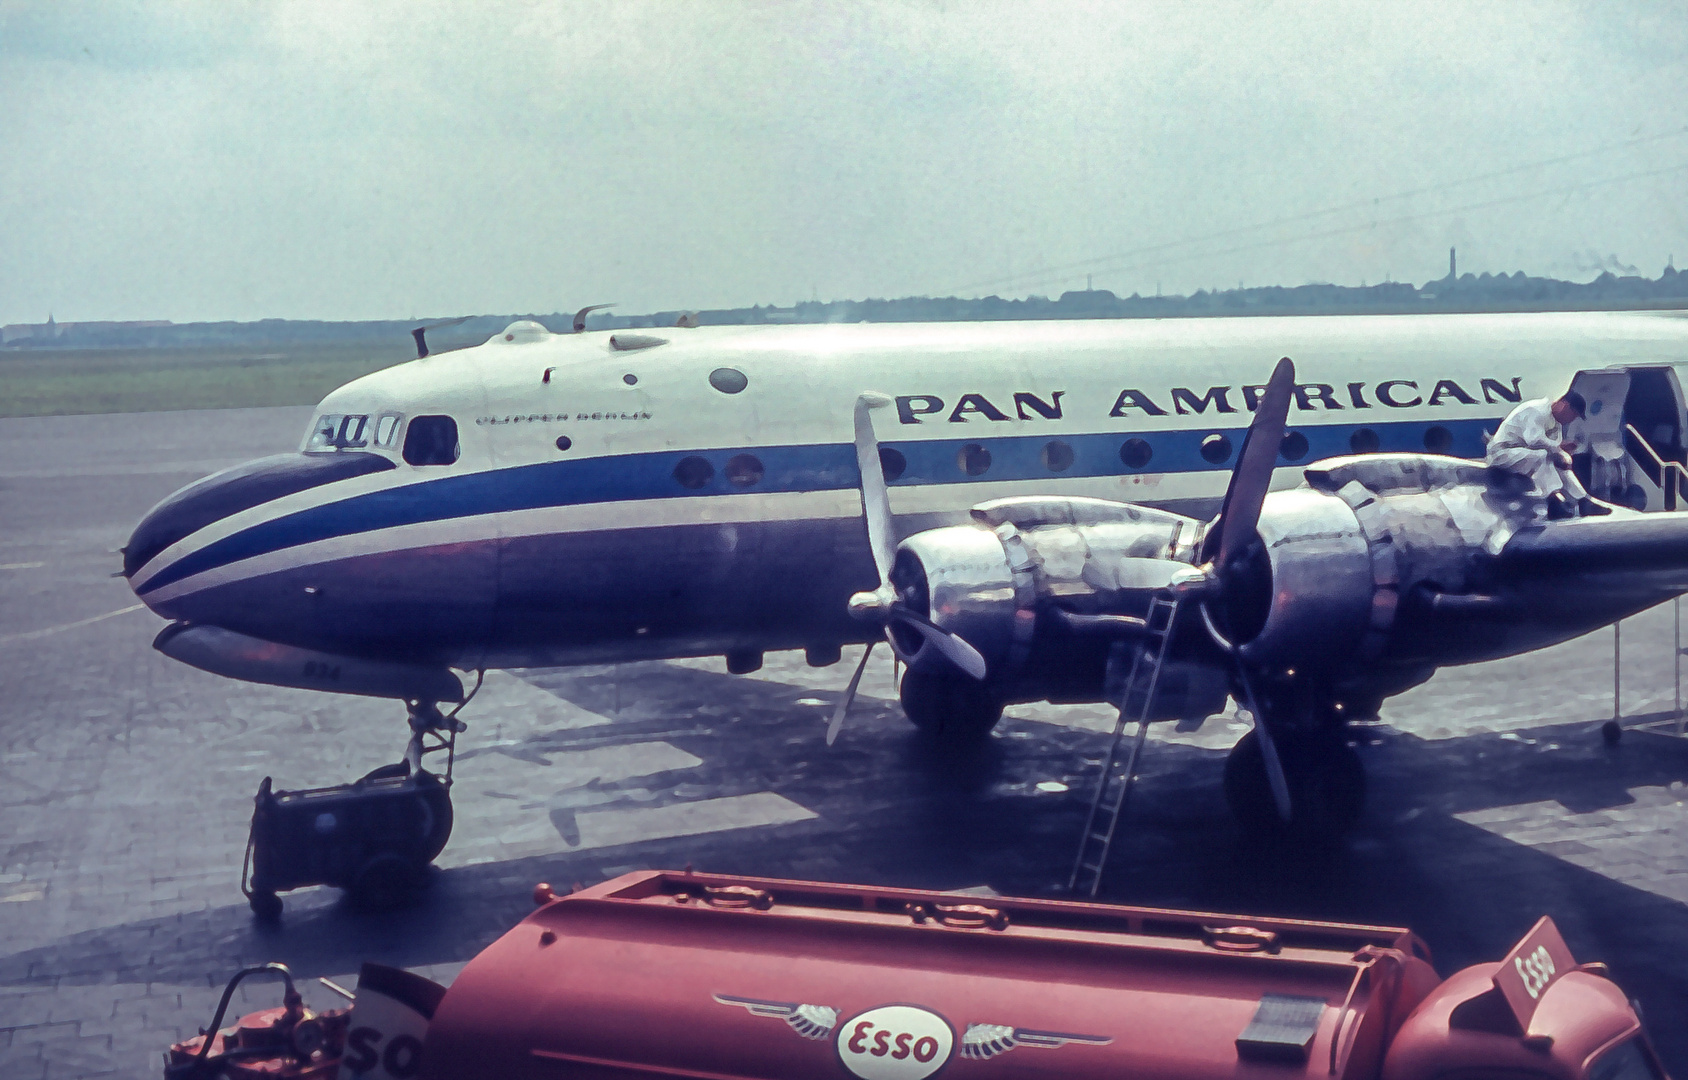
[386,882]
[265,905]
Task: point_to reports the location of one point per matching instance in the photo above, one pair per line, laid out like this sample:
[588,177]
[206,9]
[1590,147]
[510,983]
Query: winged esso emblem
[809,1021]
[983,1041]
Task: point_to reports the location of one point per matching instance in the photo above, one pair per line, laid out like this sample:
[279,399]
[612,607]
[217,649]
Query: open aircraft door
[1613,463]
[1653,433]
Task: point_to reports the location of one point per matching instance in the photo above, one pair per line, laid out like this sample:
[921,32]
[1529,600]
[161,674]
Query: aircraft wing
[1620,543]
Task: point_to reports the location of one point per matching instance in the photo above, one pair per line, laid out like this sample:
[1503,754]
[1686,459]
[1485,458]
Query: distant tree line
[1467,293]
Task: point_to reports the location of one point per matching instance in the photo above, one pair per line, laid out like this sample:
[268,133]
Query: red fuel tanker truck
[659,974]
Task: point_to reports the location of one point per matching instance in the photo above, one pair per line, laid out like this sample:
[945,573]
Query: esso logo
[1536,970]
[895,1042]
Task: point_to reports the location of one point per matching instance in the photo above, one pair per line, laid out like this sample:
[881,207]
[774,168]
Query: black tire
[1611,732]
[435,806]
[1327,787]
[949,708]
[386,882]
[398,770]
[266,906]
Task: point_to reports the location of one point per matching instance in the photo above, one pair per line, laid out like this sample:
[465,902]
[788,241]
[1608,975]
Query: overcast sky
[345,160]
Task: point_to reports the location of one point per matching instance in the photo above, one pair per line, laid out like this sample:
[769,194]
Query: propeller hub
[872,606]
[1193,582]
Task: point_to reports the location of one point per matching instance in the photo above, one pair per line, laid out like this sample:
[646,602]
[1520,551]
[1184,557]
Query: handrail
[1665,467]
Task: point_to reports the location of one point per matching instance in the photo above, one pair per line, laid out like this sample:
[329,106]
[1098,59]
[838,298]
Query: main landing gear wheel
[950,708]
[1327,787]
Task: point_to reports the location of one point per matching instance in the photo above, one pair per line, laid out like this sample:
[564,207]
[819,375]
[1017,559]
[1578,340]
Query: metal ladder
[1114,786]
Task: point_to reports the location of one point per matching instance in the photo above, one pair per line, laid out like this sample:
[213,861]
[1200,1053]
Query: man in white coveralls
[1531,442]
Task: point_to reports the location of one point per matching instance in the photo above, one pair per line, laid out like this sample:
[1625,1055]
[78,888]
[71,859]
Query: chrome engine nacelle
[1000,582]
[961,578]
[1305,600]
[1371,574]
[1362,579]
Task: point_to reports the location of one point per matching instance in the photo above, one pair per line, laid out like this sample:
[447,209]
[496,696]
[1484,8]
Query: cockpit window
[387,430]
[431,440]
[334,431]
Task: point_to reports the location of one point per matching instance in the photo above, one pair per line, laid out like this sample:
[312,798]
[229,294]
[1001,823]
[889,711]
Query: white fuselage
[608,503]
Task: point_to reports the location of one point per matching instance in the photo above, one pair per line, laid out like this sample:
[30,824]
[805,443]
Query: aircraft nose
[157,541]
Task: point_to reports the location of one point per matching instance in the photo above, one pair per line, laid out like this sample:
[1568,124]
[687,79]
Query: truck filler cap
[1282,1029]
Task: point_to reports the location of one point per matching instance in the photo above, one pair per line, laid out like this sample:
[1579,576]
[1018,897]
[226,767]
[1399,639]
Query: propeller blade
[1252,477]
[955,650]
[876,500]
[849,697]
[1268,750]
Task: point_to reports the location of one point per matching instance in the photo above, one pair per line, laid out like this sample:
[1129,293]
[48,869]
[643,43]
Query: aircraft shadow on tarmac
[892,809]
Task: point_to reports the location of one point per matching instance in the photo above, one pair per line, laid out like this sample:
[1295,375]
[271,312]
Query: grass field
[54,382]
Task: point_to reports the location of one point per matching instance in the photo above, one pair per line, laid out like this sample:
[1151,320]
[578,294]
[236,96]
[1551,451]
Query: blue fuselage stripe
[823,467]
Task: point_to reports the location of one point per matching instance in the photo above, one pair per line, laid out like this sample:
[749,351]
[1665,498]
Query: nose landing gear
[374,838]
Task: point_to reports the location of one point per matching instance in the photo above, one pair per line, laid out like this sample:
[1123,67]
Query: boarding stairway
[1113,787]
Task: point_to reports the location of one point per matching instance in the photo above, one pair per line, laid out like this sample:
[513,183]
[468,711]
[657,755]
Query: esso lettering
[1535,970]
[403,1057]
[895,1042]
[400,1059]
[361,1054]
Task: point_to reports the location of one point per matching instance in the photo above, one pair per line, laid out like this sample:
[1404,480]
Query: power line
[1404,219]
[1067,269]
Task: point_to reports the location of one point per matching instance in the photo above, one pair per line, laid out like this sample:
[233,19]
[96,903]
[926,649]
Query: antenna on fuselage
[580,316]
[420,332]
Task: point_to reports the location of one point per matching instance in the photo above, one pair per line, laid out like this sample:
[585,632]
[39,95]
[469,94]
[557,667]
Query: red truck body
[659,974]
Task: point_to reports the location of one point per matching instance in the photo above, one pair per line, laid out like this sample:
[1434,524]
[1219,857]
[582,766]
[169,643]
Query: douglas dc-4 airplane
[1003,502]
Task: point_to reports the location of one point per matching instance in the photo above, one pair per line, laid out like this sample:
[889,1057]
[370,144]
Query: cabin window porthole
[630,379]
[974,460]
[431,440]
[564,442]
[1216,449]
[1438,440]
[1135,453]
[744,470]
[1294,446]
[1057,456]
[728,380]
[892,463]
[694,472]
[1364,441]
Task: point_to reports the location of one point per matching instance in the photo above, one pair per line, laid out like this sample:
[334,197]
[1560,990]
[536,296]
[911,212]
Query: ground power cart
[373,838]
